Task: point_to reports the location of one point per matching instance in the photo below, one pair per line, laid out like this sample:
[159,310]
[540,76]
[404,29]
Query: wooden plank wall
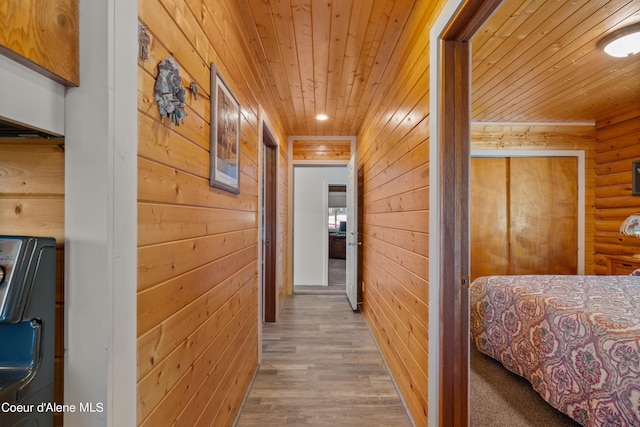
[32,204]
[321,149]
[393,153]
[42,35]
[548,137]
[618,144]
[284,276]
[197,245]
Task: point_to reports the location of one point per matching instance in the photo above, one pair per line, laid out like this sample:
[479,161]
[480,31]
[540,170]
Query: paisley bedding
[575,338]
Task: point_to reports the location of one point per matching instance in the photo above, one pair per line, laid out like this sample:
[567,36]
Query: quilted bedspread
[575,338]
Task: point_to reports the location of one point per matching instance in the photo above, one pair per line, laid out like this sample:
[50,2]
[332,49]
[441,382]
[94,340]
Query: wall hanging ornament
[143,42]
[169,92]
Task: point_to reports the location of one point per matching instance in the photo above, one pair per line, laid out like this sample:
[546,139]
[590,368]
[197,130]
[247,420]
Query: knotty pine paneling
[321,150]
[197,245]
[42,35]
[393,152]
[549,137]
[32,204]
[618,144]
[352,42]
[284,276]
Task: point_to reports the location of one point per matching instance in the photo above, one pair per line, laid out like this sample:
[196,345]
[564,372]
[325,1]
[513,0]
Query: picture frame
[635,178]
[224,144]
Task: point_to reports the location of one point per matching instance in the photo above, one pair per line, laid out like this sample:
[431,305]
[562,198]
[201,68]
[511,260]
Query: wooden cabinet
[337,246]
[623,265]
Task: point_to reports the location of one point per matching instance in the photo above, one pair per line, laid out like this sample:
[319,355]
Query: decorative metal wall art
[193,87]
[225,135]
[143,42]
[170,94]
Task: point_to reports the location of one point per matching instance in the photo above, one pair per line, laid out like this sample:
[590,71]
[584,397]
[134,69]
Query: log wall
[549,137]
[32,204]
[197,245]
[618,144]
[42,35]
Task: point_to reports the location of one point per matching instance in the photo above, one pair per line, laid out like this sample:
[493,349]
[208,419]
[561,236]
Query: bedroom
[599,124]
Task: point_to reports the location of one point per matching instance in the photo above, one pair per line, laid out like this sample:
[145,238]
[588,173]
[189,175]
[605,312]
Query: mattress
[575,338]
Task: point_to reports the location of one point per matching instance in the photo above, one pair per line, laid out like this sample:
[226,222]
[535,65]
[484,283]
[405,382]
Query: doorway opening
[450,133]
[337,224]
[319,228]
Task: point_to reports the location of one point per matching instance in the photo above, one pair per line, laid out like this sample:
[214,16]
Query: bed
[576,339]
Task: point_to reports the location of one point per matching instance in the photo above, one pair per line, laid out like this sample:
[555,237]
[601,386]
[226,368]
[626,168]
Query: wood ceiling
[538,61]
[533,61]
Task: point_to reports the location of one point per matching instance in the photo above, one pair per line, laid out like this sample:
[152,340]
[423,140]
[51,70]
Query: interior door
[489,216]
[544,206]
[353,293]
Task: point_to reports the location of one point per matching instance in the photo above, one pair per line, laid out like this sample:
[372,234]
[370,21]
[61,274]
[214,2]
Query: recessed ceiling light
[322,117]
[623,42]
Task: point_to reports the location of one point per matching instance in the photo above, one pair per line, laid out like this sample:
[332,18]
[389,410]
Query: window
[336,215]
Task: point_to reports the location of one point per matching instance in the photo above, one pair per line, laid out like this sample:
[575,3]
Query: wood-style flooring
[321,367]
[337,278]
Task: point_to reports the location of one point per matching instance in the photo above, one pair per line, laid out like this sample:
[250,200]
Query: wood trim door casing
[454,236]
[270,225]
[453,99]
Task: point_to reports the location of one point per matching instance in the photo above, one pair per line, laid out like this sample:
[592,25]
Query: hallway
[321,367]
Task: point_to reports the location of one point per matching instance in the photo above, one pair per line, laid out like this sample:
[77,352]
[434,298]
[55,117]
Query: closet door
[543,219]
[524,215]
[489,216]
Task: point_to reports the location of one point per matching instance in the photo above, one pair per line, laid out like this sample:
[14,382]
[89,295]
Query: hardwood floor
[321,366]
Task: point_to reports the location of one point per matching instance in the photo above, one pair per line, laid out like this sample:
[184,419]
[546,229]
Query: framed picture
[225,135]
[635,178]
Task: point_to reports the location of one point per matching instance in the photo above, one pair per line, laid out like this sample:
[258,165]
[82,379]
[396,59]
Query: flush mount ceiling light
[322,117]
[623,42]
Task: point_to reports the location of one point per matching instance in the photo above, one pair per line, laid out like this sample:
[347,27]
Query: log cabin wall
[618,144]
[549,137]
[393,157]
[32,204]
[197,245]
[42,35]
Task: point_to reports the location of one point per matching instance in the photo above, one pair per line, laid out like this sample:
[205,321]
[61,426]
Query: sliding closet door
[544,206]
[489,216]
[524,215]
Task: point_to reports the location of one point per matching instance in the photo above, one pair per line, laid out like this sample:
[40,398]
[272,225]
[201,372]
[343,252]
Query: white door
[352,233]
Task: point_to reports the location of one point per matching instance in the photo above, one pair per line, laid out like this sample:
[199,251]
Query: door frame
[449,154]
[579,155]
[269,225]
[295,163]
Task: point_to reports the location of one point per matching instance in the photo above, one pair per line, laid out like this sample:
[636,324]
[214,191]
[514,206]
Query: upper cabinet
[42,35]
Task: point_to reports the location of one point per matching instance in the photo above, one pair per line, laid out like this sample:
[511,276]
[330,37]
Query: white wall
[101,219]
[310,235]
